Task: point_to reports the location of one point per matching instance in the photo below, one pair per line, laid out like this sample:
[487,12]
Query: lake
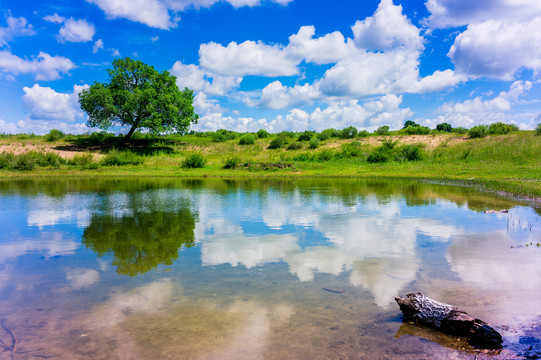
[261,269]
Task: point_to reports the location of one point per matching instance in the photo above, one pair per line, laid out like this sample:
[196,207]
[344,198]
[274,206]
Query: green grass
[507,163]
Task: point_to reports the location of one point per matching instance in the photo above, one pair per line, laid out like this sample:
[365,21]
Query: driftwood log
[448,319]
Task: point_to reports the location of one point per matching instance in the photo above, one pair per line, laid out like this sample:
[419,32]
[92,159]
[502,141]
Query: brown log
[448,319]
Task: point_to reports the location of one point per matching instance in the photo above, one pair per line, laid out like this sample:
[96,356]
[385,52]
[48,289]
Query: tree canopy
[139,97]
[410,123]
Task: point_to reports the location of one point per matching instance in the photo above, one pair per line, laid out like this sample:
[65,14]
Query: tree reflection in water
[139,242]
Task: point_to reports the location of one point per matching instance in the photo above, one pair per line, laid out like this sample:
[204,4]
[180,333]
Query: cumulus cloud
[480,111]
[76,31]
[451,13]
[387,29]
[197,79]
[327,49]
[277,96]
[15,27]
[163,14]
[44,67]
[498,49]
[57,19]
[247,58]
[45,103]
[97,46]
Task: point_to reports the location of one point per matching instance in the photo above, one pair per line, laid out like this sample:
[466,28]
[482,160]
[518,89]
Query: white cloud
[115,52]
[163,14]
[16,27]
[47,104]
[387,29]
[50,244]
[82,278]
[498,49]
[247,58]
[97,46]
[44,67]
[57,19]
[277,96]
[155,13]
[327,49]
[197,79]
[451,13]
[76,31]
[479,111]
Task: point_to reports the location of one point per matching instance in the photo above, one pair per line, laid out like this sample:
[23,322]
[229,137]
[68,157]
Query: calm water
[193,269]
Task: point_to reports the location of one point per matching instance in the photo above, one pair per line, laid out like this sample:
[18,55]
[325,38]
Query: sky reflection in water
[222,269]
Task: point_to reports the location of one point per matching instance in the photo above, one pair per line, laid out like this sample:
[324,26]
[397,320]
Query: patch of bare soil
[67,153]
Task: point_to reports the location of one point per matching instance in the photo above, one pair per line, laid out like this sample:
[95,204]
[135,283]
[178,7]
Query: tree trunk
[448,319]
[129,134]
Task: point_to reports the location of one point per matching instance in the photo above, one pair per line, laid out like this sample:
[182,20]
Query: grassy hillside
[509,163]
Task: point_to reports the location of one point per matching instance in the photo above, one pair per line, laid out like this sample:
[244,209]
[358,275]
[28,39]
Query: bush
[277,143]
[417,130]
[54,135]
[193,161]
[352,149]
[328,133]
[410,123]
[363,134]
[7,160]
[294,146]
[499,128]
[25,161]
[49,159]
[247,139]
[478,131]
[84,161]
[325,155]
[306,136]
[313,143]
[411,152]
[120,158]
[348,133]
[286,135]
[382,130]
[538,129]
[262,133]
[379,155]
[218,137]
[460,130]
[445,127]
[231,163]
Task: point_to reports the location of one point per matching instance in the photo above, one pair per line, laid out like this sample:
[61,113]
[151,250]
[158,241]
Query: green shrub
[247,139]
[313,143]
[84,161]
[120,158]
[499,128]
[194,160]
[514,127]
[325,134]
[410,123]
[262,133]
[218,137]
[363,134]
[352,149]
[382,130]
[417,130]
[287,134]
[7,160]
[379,155]
[478,131]
[49,159]
[294,146]
[277,143]
[460,130]
[54,135]
[412,152]
[348,133]
[538,129]
[325,155]
[231,162]
[306,136]
[444,127]
[25,161]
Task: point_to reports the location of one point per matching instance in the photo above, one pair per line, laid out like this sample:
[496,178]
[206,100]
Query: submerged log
[448,319]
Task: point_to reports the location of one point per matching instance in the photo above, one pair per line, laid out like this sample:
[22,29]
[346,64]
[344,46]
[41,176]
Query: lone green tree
[139,97]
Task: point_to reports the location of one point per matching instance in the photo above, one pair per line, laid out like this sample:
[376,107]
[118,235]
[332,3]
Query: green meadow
[509,163]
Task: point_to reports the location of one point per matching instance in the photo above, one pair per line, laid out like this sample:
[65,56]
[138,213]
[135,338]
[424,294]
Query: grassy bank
[508,163]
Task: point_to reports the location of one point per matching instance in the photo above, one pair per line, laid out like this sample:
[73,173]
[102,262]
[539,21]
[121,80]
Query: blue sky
[281,64]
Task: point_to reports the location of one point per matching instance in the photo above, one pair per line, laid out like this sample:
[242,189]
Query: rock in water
[448,319]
